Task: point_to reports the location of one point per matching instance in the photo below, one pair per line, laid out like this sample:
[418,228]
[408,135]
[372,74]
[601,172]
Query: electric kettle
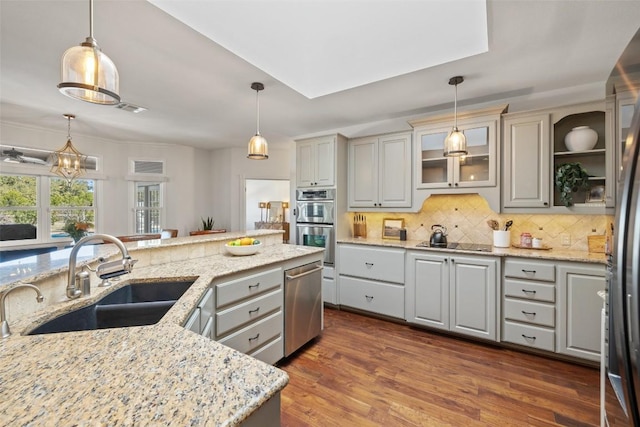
[438,236]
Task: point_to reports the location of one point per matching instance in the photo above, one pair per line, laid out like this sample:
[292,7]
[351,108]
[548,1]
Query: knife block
[360,230]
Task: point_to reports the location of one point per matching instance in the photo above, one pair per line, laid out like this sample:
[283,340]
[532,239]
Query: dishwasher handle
[306,273]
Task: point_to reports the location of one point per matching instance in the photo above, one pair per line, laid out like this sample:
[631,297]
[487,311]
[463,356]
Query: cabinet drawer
[247,311]
[254,336]
[366,295]
[530,312]
[530,290]
[246,286]
[271,352]
[529,335]
[527,269]
[372,263]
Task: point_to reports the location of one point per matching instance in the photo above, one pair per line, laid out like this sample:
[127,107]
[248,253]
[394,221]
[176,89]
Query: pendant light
[258,149]
[455,144]
[69,162]
[87,73]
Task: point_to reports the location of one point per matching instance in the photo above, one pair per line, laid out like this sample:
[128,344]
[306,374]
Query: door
[319,236]
[394,176]
[363,173]
[325,162]
[473,296]
[305,164]
[428,290]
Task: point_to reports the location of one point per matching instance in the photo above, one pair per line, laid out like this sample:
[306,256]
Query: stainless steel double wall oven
[315,216]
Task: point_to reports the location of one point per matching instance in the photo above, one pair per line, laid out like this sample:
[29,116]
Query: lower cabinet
[372,279]
[453,293]
[579,309]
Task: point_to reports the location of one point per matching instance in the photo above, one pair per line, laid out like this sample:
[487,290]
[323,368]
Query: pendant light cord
[69,128]
[257,112]
[91,19]
[455,108]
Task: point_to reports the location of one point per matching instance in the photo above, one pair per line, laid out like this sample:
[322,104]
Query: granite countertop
[160,374]
[551,254]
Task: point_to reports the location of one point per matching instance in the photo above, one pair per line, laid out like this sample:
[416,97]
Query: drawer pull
[369,298]
[254,338]
[529,313]
[527,337]
[254,286]
[527,291]
[529,271]
[368,264]
[254,311]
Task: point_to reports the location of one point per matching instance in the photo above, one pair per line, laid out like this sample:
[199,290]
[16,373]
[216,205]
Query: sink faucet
[5,331]
[104,270]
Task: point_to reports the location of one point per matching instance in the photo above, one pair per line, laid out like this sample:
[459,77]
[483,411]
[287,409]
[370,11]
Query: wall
[230,168]
[465,217]
[185,167]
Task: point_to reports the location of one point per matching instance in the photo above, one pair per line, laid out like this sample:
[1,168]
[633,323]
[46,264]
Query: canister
[525,240]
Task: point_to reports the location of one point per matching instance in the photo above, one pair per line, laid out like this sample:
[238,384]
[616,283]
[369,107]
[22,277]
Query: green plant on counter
[570,177]
[207,224]
[76,229]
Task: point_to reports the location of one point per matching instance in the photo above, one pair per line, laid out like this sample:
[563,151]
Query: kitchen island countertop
[160,374]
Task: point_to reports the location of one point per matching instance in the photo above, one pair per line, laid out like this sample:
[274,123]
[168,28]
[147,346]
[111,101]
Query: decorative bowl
[581,138]
[243,250]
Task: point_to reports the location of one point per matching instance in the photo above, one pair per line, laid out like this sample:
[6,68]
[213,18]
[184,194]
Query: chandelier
[69,162]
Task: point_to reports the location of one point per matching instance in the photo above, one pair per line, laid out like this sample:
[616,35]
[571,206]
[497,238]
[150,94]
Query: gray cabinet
[579,309]
[380,172]
[457,293]
[315,162]
[372,279]
[526,148]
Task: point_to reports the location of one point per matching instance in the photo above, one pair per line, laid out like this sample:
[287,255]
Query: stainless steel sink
[136,304]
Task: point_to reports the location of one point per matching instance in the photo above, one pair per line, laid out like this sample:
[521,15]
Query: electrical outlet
[565,239]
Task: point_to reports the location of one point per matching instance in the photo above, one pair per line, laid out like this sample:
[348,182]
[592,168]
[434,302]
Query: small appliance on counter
[438,236]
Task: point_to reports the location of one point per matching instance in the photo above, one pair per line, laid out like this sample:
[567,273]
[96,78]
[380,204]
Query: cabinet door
[433,169]
[305,164]
[579,309]
[325,162]
[478,168]
[363,173]
[526,162]
[473,296]
[394,179]
[427,293]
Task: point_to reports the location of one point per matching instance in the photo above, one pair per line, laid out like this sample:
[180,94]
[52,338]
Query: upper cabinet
[477,169]
[526,160]
[315,162]
[379,172]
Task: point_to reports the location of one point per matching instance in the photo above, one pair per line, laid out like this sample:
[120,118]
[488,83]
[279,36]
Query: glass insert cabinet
[476,169]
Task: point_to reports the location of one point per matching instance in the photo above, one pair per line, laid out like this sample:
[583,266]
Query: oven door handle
[306,273]
[314,224]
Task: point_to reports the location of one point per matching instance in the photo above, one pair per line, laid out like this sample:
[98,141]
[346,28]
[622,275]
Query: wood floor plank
[364,371]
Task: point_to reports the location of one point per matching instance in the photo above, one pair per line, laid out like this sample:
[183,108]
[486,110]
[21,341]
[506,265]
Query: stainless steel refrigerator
[622,385]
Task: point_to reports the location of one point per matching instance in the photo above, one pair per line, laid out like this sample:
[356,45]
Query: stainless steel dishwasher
[302,305]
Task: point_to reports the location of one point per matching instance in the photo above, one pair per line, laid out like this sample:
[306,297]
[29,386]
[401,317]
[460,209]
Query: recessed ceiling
[322,47]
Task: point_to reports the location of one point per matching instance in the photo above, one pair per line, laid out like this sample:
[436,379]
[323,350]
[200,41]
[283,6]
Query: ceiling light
[87,73]
[456,143]
[258,149]
[70,162]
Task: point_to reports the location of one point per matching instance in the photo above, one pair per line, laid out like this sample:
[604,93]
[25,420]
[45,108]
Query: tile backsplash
[465,217]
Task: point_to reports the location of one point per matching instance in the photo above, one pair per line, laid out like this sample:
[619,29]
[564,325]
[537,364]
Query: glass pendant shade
[89,75]
[455,144]
[258,149]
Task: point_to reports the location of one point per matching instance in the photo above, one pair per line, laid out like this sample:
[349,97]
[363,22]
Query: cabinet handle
[529,271]
[527,337]
[254,311]
[527,291]
[254,286]
[449,184]
[255,338]
[369,298]
[368,264]
[546,204]
[456,184]
[529,313]
[452,260]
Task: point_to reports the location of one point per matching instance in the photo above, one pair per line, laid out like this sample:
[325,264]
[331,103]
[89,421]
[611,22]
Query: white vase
[581,138]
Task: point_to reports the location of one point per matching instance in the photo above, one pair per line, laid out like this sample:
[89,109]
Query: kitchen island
[160,374]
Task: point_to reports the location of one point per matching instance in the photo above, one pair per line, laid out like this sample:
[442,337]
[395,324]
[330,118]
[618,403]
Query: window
[148,207]
[40,208]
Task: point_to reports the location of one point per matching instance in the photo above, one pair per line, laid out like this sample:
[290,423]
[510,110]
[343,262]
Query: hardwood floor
[369,372]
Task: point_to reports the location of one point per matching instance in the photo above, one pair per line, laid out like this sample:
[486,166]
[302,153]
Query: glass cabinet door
[434,170]
[474,167]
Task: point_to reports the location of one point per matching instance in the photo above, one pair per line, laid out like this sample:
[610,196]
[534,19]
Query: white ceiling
[198,92]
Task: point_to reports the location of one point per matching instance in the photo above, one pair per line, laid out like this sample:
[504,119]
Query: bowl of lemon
[243,246]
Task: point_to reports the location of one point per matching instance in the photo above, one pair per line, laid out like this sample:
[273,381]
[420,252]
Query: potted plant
[207,224]
[207,227]
[570,177]
[76,229]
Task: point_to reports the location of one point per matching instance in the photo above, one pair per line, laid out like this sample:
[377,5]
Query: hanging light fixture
[69,162]
[87,73]
[456,143]
[258,149]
